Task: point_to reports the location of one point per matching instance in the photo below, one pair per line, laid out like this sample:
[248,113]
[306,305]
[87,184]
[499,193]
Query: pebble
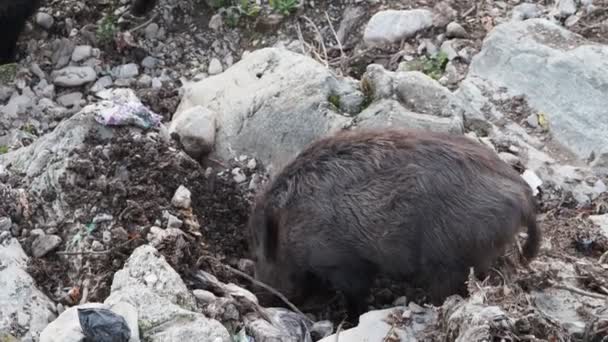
[144,81]
[321,329]
[73,76]
[526,11]
[151,31]
[157,83]
[82,52]
[455,30]
[102,83]
[392,26]
[448,49]
[238,175]
[70,99]
[251,164]
[401,301]
[174,222]
[215,67]
[216,22]
[5,223]
[182,198]
[97,246]
[204,296]
[149,62]
[566,8]
[3,174]
[509,158]
[125,71]
[44,244]
[44,20]
[44,89]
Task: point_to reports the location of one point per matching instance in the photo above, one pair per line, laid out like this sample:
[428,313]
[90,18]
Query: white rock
[102,83]
[525,56]
[5,222]
[163,306]
[44,20]
[44,244]
[125,71]
[73,76]
[533,180]
[272,103]
[392,26]
[601,221]
[215,67]
[196,128]
[525,11]
[70,99]
[82,52]
[22,306]
[566,8]
[151,31]
[182,198]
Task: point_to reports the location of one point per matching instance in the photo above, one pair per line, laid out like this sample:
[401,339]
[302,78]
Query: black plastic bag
[103,325]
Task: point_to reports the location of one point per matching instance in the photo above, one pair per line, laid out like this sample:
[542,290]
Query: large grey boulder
[163,303]
[24,310]
[269,105]
[562,76]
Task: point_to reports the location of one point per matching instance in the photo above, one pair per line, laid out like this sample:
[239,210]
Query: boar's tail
[532,246]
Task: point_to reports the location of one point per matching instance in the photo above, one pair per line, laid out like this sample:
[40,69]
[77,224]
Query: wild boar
[13,16]
[407,204]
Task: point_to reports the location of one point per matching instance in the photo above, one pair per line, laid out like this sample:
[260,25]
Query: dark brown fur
[413,205]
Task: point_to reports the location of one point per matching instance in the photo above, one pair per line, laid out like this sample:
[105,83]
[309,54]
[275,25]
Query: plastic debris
[103,325]
[129,113]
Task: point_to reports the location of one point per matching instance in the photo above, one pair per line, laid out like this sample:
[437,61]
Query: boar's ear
[271,234]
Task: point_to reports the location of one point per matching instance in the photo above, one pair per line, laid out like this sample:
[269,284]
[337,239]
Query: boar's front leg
[355,284]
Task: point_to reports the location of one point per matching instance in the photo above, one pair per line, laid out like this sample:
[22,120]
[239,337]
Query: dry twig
[321,41]
[578,291]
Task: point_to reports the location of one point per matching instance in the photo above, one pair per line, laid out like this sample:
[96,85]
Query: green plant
[334,99]
[283,6]
[3,149]
[233,10]
[29,128]
[107,29]
[433,66]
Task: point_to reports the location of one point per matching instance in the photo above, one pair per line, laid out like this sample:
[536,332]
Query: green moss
[8,72]
[334,99]
[433,66]
[3,149]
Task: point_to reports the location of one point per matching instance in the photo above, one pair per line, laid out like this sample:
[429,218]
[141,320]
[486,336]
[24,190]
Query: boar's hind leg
[446,283]
[355,284]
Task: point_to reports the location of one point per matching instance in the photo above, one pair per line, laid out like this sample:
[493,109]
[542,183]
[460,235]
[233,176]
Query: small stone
[44,244]
[100,218]
[455,30]
[231,313]
[82,52]
[73,76]
[566,8]
[532,120]
[44,20]
[401,301]
[144,81]
[321,329]
[526,11]
[204,296]
[149,62]
[392,26]
[448,49]
[125,71]
[216,22]
[509,158]
[215,67]
[102,83]
[156,83]
[151,31]
[533,180]
[97,246]
[182,198]
[238,175]
[174,222]
[415,308]
[251,164]
[5,223]
[70,100]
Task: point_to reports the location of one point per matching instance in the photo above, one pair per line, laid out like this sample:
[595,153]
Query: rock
[82,52]
[350,18]
[144,81]
[149,62]
[525,11]
[321,329]
[24,311]
[216,22]
[565,8]
[5,224]
[273,103]
[196,128]
[174,222]
[373,326]
[455,30]
[525,56]
[564,307]
[448,49]
[162,300]
[286,326]
[599,220]
[70,99]
[44,20]
[387,113]
[125,71]
[102,83]
[45,244]
[392,26]
[204,296]
[73,76]
[151,31]
[215,67]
